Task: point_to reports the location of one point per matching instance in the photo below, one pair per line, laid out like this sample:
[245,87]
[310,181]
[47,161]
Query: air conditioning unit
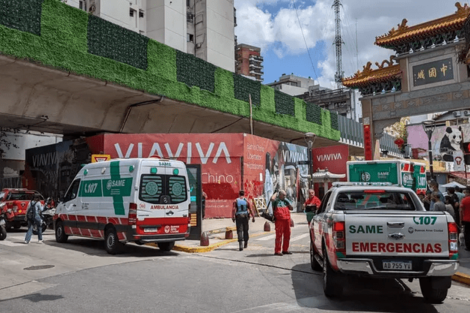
[466,112]
[457,113]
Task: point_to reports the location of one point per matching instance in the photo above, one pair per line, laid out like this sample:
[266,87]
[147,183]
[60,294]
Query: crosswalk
[296,238]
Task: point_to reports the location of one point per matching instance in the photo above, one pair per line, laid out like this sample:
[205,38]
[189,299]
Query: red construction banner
[219,154]
[333,158]
[271,165]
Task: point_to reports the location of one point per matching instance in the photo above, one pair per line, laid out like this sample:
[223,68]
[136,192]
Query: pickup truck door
[319,222]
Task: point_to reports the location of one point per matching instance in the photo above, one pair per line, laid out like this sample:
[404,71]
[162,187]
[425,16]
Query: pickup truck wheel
[313,261]
[430,294]
[3,233]
[166,246]
[331,279]
[60,235]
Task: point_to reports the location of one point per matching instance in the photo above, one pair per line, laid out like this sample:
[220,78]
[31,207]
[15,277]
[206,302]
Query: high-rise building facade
[204,28]
[249,61]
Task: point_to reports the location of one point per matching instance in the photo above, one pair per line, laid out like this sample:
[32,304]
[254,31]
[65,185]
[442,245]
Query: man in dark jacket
[241,215]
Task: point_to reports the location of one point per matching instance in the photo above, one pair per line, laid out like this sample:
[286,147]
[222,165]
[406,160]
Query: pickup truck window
[374,200]
[20,196]
[324,202]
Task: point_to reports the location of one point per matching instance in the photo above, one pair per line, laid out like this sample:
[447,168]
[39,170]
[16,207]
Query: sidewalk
[463,274]
[215,228]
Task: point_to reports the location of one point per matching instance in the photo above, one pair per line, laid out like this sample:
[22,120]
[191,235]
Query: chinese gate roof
[404,33]
[369,76]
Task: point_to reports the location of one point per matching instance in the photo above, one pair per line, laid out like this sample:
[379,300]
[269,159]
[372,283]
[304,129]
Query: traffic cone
[267,226]
[291,223]
[204,240]
[228,234]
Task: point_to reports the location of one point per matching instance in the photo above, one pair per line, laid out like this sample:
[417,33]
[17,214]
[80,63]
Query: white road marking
[267,237]
[299,237]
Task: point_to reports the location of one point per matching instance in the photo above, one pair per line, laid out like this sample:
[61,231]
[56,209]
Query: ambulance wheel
[166,246]
[3,233]
[331,279]
[60,235]
[112,244]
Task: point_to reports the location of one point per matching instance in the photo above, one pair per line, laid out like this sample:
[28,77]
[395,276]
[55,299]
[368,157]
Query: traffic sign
[100,158]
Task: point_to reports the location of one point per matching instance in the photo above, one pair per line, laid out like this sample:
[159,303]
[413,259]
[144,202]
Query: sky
[296,36]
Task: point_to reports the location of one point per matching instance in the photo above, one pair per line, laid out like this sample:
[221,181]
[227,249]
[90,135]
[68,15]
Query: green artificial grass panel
[244,87]
[285,103]
[194,71]
[267,99]
[334,120]
[21,15]
[224,83]
[117,43]
[300,109]
[161,60]
[314,113]
[64,25]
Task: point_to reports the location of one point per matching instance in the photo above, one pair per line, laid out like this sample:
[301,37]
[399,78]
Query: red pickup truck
[17,199]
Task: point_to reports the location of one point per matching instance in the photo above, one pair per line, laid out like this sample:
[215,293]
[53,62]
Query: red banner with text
[219,154]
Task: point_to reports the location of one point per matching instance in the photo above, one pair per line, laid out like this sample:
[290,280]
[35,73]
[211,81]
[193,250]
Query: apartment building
[249,61]
[204,28]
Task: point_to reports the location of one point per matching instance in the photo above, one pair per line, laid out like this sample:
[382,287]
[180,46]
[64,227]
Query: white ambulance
[127,200]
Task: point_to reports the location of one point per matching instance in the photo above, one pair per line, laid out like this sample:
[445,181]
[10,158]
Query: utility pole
[338,43]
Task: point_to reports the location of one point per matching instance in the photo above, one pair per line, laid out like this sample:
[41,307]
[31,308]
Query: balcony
[256,58]
[259,72]
[255,66]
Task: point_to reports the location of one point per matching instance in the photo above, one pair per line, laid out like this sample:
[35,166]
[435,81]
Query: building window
[82,5]
[141,13]
[190,38]
[132,12]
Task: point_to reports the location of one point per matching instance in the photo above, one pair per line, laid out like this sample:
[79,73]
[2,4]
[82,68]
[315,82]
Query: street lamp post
[429,126]
[310,139]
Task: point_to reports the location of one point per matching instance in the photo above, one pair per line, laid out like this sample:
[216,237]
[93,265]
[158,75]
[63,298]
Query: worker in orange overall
[281,210]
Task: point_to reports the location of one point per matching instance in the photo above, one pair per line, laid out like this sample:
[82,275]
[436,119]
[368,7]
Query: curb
[213,246]
[462,278]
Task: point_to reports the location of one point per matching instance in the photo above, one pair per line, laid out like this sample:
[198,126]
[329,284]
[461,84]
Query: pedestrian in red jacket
[281,210]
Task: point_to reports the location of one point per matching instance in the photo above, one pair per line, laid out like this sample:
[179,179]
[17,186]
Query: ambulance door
[195,211]
[71,204]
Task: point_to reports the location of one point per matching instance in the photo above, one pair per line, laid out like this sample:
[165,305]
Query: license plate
[150,230]
[397,265]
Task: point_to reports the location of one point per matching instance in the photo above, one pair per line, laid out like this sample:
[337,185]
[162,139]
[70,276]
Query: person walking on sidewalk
[465,216]
[281,209]
[241,215]
[311,205]
[33,217]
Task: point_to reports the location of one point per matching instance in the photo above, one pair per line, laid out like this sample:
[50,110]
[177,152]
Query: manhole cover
[39,267]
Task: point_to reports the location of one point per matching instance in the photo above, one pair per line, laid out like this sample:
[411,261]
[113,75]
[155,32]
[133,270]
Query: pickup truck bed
[383,232]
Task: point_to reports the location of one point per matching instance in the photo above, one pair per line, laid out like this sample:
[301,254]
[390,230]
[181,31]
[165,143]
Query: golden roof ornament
[404,33]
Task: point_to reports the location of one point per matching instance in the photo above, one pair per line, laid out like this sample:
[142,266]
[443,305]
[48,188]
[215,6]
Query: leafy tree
[400,128]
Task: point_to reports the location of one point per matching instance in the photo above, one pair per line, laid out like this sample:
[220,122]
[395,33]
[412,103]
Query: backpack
[242,207]
[30,213]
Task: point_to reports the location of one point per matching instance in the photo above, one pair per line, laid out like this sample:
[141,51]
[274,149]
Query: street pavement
[80,276]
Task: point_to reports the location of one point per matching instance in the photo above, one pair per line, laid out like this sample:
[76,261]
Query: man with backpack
[241,215]
[33,217]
